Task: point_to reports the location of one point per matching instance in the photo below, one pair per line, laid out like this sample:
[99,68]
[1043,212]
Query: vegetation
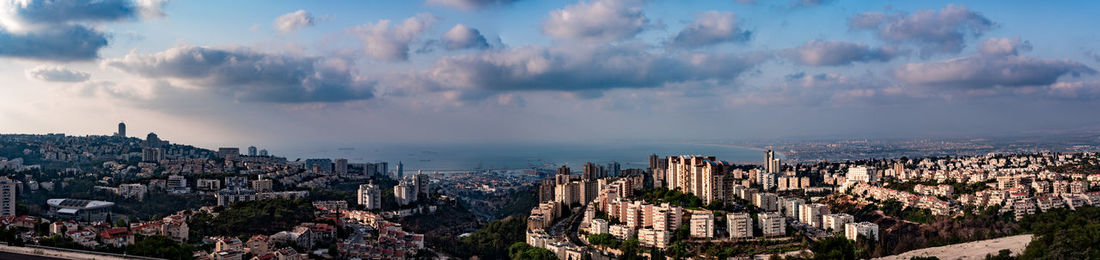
[160,247]
[835,247]
[893,207]
[674,197]
[1063,234]
[605,239]
[253,217]
[523,251]
[491,242]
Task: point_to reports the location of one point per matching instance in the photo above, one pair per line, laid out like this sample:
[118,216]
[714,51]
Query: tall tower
[400,171]
[122,130]
[7,197]
[769,158]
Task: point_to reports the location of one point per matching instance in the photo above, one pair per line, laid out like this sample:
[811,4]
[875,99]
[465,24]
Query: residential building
[370,196]
[835,222]
[772,224]
[702,225]
[865,229]
[8,190]
[739,225]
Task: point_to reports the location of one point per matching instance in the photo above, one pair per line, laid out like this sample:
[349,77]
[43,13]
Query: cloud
[62,43]
[709,28]
[836,53]
[44,12]
[597,21]
[294,21]
[1082,90]
[935,32]
[1003,46]
[464,37]
[251,75]
[56,30]
[590,71]
[152,8]
[809,3]
[988,71]
[1093,55]
[388,42]
[56,74]
[470,4]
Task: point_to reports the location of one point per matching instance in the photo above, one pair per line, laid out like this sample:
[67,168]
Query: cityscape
[547,130]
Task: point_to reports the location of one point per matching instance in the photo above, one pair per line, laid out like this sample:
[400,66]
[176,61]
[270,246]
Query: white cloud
[470,4]
[390,42]
[464,37]
[709,28]
[597,20]
[57,74]
[292,22]
[1003,46]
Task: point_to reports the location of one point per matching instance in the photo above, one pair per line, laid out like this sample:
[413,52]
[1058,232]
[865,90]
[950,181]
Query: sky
[297,73]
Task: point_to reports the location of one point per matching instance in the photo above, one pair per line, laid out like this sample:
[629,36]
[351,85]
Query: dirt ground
[970,250]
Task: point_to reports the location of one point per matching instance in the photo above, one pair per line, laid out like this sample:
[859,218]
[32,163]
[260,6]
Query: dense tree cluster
[1063,234]
[253,217]
[523,251]
[493,241]
[673,197]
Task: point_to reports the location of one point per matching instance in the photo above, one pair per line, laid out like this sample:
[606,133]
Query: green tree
[835,247]
[523,251]
[160,247]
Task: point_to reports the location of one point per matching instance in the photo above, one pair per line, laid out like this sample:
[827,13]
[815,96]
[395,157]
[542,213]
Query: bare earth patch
[969,250]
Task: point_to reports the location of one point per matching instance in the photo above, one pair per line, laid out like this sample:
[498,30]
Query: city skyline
[301,73]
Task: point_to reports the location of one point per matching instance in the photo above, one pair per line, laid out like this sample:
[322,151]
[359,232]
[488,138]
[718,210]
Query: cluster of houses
[391,242]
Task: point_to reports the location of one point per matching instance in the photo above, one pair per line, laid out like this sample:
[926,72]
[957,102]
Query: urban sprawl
[113,195]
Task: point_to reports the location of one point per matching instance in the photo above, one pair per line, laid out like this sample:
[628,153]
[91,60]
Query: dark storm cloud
[251,75]
[709,28]
[57,30]
[835,53]
[936,32]
[60,43]
[62,11]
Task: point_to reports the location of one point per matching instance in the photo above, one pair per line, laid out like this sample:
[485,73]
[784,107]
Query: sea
[511,156]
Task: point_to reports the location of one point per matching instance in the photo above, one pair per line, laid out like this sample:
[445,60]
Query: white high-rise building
[810,214]
[405,193]
[790,206]
[598,226]
[423,185]
[739,225]
[341,167]
[867,229]
[702,224]
[862,174]
[769,159]
[835,222]
[7,197]
[370,196]
[702,176]
[772,224]
[766,201]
